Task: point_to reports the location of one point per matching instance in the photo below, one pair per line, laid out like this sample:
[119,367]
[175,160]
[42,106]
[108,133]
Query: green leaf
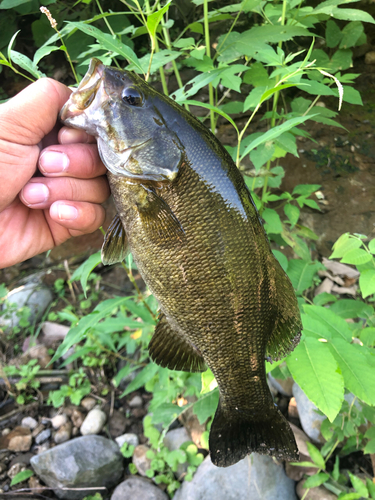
[108,42]
[352,15]
[367,336]
[359,376]
[301,273]
[257,76]
[139,310]
[43,52]
[315,370]
[77,333]
[357,256]
[333,34]
[316,456]
[283,261]
[206,406]
[306,189]
[213,108]
[371,246]
[275,132]
[11,4]
[316,480]
[349,308]
[371,487]
[141,378]
[358,485]
[367,282]
[337,326]
[25,63]
[351,34]
[84,270]
[273,223]
[21,476]
[343,245]
[292,212]
[262,154]
[166,413]
[154,19]
[370,447]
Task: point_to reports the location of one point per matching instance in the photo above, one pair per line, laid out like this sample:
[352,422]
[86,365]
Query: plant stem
[161,70]
[208,52]
[140,294]
[105,18]
[242,133]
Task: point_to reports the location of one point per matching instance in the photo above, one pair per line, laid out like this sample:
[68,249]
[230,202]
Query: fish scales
[199,244]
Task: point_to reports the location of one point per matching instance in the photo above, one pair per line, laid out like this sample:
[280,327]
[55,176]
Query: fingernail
[35,193]
[53,162]
[73,136]
[67,212]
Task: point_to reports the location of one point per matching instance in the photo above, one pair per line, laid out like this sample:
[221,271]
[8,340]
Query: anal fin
[170,350]
[115,247]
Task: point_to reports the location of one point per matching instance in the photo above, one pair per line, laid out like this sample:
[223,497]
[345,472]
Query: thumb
[31,114]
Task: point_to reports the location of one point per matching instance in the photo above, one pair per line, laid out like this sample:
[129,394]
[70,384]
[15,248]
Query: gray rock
[130,438]
[64,433]
[175,438]
[15,469]
[94,422]
[256,477]
[87,461]
[43,436]
[29,422]
[136,488]
[33,295]
[53,332]
[310,419]
[283,386]
[140,460]
[136,402]
[318,493]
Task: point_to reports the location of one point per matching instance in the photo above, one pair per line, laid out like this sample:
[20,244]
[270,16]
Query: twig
[66,265]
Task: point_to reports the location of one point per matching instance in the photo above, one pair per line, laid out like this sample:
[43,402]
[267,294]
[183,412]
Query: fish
[187,216]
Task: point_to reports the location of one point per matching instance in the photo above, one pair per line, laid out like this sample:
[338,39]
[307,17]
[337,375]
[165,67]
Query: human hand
[39,213]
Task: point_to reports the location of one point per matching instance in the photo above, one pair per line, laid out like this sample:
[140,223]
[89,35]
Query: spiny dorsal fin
[287,330]
[170,350]
[159,217]
[115,245]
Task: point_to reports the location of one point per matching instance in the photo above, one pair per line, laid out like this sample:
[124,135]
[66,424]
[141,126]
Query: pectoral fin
[170,350]
[114,248]
[159,217]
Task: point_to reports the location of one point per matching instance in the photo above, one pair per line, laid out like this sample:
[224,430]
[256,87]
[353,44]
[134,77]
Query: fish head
[128,118]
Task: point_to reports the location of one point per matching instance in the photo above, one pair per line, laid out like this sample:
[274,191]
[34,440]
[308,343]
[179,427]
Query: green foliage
[21,476]
[79,387]
[27,384]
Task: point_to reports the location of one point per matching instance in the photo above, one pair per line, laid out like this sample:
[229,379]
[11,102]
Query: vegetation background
[263,70]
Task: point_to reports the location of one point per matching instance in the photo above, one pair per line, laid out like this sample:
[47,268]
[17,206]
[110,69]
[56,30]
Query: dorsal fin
[171,350]
[115,246]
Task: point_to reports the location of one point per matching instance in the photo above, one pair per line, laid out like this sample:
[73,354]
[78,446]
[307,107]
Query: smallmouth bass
[188,218]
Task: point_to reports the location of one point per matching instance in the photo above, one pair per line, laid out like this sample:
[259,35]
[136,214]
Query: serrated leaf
[349,308]
[367,282]
[301,273]
[206,406]
[154,19]
[273,223]
[316,480]
[337,326]
[358,485]
[84,270]
[262,154]
[292,212]
[315,455]
[344,245]
[21,476]
[333,34]
[359,376]
[357,257]
[371,246]
[367,336]
[315,370]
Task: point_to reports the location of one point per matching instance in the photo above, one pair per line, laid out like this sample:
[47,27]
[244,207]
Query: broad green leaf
[21,476]
[184,42]
[333,34]
[208,382]
[301,273]
[359,376]
[353,15]
[25,63]
[232,107]
[315,370]
[312,327]
[206,406]
[154,19]
[141,378]
[283,261]
[159,59]
[83,272]
[351,95]
[316,456]
[324,298]
[254,98]
[287,141]
[351,33]
[370,447]
[306,189]
[77,333]
[358,485]
[371,246]
[43,52]
[276,132]
[371,487]
[349,308]
[213,108]
[367,336]
[367,282]
[109,42]
[11,4]
[273,223]
[343,245]
[292,212]
[257,76]
[356,256]
[316,480]
[314,87]
[336,325]
[262,154]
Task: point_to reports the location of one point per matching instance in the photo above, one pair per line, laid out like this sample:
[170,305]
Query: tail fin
[233,436]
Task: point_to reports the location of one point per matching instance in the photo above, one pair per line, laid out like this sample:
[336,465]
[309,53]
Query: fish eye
[131,96]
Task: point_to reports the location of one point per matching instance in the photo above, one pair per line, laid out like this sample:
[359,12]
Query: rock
[140,460]
[293,471]
[130,438]
[292,408]
[283,386]
[136,402]
[310,419]
[319,493]
[35,486]
[59,420]
[38,352]
[64,433]
[21,458]
[39,429]
[370,57]
[256,477]
[117,424]
[86,461]
[15,469]
[53,332]
[138,488]
[43,447]
[29,422]
[43,436]
[33,295]
[175,438]
[94,422]
[19,439]
[77,418]
[194,428]
[88,403]
[5,431]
